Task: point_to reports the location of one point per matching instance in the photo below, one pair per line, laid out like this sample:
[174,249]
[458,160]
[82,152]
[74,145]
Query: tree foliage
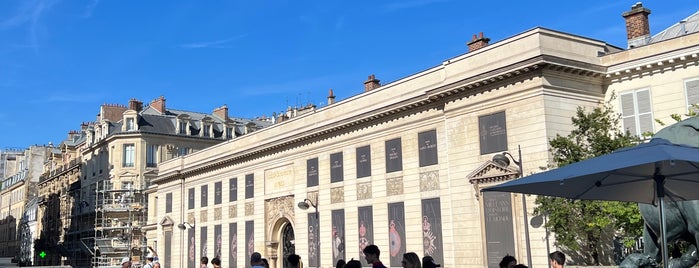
[585,228]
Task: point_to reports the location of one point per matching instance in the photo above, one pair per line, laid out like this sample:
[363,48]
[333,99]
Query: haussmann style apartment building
[92,202]
[401,165]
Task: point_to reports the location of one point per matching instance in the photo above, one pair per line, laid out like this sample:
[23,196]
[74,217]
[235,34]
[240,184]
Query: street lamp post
[504,160]
[305,204]
[184,226]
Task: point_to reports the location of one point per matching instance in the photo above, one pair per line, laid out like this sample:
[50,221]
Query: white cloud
[225,43]
[29,13]
[90,8]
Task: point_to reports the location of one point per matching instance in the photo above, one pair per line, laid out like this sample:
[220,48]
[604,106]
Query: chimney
[135,105]
[331,97]
[222,112]
[637,27]
[477,42]
[111,112]
[371,83]
[158,104]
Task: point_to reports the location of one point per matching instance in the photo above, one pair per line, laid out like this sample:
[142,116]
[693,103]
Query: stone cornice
[430,99]
[639,67]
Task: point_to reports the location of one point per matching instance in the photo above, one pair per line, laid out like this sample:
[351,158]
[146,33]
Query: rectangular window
[204,195]
[207,130]
[427,147]
[183,127]
[152,155]
[336,173]
[394,157]
[364,161]
[129,155]
[492,130]
[233,189]
[130,124]
[636,115]
[217,192]
[691,88]
[249,186]
[168,202]
[190,196]
[182,151]
[312,172]
[229,133]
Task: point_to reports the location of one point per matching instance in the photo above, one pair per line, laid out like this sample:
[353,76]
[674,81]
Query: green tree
[585,228]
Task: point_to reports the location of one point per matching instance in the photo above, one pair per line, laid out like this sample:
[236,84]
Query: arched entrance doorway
[280,230]
[287,244]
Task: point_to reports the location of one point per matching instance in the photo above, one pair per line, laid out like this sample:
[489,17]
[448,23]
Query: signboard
[364,161]
[499,234]
[492,130]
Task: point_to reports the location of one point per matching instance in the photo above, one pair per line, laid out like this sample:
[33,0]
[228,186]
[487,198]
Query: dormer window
[130,124]
[207,130]
[183,127]
[229,133]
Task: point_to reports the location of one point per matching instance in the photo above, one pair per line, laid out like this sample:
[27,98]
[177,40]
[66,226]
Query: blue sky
[60,60]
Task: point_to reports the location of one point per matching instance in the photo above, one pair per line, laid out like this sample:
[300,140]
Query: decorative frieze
[203,216]
[337,195]
[249,209]
[217,214]
[394,186]
[232,211]
[364,191]
[429,180]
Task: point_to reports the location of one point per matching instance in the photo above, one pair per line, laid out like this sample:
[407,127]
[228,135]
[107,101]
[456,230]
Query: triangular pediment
[153,173]
[127,173]
[490,172]
[166,221]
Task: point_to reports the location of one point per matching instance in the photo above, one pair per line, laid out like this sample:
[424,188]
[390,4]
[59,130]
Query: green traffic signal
[42,254]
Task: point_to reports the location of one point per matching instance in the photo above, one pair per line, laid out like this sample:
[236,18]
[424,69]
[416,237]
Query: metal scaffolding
[120,215]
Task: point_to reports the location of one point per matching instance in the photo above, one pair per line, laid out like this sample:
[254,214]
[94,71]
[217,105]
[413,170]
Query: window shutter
[628,112]
[692,88]
[645,116]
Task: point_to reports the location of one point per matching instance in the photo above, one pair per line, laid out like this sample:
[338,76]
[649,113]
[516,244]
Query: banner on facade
[192,254]
[499,235]
[313,236]
[338,234]
[233,245]
[396,233]
[249,241]
[218,241]
[432,229]
[366,231]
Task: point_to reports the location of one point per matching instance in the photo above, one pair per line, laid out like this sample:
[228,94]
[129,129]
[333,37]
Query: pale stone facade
[537,78]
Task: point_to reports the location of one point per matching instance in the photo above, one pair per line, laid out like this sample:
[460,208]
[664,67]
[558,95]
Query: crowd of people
[371,252]
[557,259]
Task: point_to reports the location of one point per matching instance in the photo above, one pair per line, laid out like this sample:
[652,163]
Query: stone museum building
[401,165]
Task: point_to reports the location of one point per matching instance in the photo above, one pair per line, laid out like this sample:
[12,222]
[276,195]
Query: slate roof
[686,26]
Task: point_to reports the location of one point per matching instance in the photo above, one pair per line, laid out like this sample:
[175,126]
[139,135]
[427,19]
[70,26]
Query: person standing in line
[203,262]
[265,263]
[371,253]
[256,260]
[353,264]
[508,262]
[340,263]
[294,260]
[557,259]
[428,262]
[411,260]
[126,262]
[216,262]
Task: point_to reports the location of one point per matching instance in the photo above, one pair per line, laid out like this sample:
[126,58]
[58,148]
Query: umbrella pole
[660,189]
